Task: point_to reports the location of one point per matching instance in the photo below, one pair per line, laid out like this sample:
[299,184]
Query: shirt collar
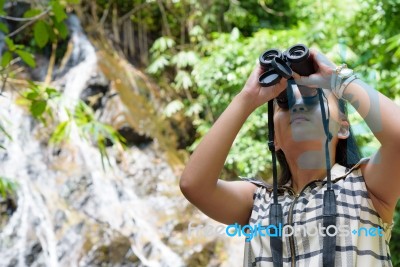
[337,170]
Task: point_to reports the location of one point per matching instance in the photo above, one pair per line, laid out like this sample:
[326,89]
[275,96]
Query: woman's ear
[277,147]
[276,144]
[344,130]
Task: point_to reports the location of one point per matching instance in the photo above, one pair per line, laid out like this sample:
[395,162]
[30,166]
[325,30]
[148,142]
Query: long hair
[347,152]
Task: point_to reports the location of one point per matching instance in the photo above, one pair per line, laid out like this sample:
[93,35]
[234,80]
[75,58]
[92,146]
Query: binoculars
[277,65]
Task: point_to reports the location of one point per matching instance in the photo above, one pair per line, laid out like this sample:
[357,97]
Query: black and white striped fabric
[355,247]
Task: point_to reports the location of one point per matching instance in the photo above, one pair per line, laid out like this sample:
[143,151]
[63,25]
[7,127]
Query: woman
[366,194]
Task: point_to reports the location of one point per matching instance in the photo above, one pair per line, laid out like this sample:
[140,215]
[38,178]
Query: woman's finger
[295,75]
[312,81]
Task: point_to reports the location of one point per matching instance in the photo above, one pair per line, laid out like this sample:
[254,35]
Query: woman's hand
[325,71]
[257,95]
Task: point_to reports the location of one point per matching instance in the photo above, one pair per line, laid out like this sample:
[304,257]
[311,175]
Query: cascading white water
[45,194]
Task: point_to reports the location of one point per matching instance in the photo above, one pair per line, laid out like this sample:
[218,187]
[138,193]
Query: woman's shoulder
[355,187]
[263,189]
[256,181]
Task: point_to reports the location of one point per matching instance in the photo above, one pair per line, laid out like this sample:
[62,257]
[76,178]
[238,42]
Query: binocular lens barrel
[297,57]
[267,57]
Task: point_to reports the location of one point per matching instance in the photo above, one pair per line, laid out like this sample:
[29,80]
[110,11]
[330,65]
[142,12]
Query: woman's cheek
[282,127]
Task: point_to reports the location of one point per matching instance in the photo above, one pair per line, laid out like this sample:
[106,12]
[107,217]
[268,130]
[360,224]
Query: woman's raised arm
[226,202]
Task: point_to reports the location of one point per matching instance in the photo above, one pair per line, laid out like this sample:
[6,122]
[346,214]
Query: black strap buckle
[271,146]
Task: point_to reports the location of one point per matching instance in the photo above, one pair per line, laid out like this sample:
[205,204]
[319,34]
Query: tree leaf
[158,65]
[6,186]
[51,92]
[38,108]
[41,33]
[2,12]
[6,59]
[58,11]
[162,44]
[62,29]
[32,13]
[184,59]
[61,132]
[173,107]
[10,44]
[26,57]
[183,80]
[194,109]
[32,95]
[3,27]
[52,35]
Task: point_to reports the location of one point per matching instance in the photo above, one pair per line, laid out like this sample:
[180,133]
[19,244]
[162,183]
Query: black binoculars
[277,65]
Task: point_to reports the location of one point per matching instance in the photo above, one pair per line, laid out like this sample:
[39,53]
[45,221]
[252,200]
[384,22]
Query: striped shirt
[362,237]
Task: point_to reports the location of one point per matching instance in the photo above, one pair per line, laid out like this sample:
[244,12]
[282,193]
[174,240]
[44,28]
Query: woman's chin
[305,132]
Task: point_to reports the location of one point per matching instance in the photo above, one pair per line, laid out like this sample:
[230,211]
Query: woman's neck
[307,167]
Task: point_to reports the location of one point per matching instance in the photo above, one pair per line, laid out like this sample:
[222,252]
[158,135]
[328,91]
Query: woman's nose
[299,108]
[298,105]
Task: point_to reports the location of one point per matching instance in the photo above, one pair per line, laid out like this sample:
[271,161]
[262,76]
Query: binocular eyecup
[277,65]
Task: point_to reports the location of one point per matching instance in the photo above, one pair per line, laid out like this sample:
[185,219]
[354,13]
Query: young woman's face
[301,128]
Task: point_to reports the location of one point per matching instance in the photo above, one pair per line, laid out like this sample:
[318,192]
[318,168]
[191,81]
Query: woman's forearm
[205,164]
[380,113]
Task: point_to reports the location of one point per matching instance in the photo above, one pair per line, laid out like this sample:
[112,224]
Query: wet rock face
[8,206]
[96,91]
[33,253]
[93,95]
[133,138]
[97,95]
[115,252]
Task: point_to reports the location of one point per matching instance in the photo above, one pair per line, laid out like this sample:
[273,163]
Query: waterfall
[72,212]
[110,198]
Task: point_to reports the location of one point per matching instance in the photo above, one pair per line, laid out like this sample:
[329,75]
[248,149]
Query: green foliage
[18,49]
[43,103]
[395,239]
[88,128]
[2,2]
[161,45]
[48,26]
[7,187]
[26,57]
[45,29]
[58,11]
[373,35]
[3,28]
[61,132]
[5,133]
[41,33]
[38,99]
[6,59]
[173,107]
[51,28]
